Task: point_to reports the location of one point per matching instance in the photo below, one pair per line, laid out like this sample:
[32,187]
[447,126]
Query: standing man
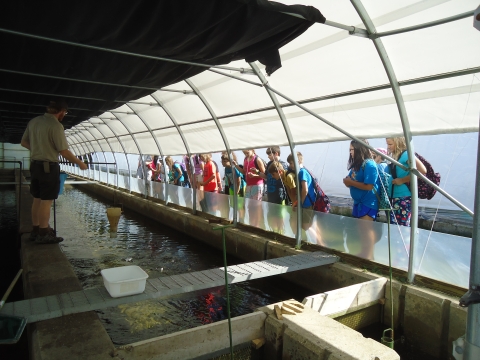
[45,138]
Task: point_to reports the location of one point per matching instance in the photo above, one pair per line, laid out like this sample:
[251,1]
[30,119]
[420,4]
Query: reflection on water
[160,251]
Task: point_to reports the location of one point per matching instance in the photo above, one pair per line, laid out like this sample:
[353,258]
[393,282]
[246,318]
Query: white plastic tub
[124,280]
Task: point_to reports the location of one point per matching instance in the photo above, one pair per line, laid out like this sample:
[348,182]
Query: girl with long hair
[401,198]
[362,181]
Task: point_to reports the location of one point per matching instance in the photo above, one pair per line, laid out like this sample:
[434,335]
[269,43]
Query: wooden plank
[278,312]
[192,279]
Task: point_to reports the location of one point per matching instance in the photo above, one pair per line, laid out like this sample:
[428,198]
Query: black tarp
[211,32]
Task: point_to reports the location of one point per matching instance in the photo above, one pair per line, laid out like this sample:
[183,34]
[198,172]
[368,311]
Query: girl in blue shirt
[401,199]
[362,181]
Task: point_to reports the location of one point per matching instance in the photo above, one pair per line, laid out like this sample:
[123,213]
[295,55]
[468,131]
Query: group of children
[364,181]
[276,180]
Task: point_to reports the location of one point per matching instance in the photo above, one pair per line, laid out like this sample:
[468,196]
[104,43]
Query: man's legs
[41,212]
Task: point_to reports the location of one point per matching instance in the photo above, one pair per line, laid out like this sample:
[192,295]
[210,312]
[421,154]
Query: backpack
[183,169]
[322,202]
[384,190]
[256,165]
[425,191]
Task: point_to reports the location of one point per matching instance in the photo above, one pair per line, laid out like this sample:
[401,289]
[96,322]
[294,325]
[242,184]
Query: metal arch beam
[85,128]
[138,147]
[85,149]
[111,150]
[158,146]
[185,143]
[150,57]
[382,52]
[77,151]
[423,26]
[286,127]
[123,148]
[393,161]
[225,141]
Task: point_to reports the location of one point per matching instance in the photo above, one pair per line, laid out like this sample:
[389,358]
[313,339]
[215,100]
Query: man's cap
[382,150]
[58,104]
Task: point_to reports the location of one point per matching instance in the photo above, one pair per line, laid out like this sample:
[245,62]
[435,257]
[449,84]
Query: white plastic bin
[124,280]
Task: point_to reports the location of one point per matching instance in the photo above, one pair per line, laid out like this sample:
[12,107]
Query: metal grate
[359,319]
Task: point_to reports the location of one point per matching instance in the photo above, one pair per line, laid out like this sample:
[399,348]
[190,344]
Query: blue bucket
[63,177]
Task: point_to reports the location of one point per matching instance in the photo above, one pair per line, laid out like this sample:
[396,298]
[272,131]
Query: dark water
[160,251]
[9,266]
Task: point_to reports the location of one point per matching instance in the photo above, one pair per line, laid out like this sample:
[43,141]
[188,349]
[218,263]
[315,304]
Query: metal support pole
[226,143]
[222,228]
[139,151]
[185,143]
[472,297]
[151,134]
[286,127]
[111,148]
[124,152]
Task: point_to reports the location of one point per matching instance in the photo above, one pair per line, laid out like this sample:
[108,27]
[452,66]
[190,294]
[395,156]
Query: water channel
[160,251]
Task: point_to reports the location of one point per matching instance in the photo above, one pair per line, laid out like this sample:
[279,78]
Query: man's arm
[25,144]
[67,154]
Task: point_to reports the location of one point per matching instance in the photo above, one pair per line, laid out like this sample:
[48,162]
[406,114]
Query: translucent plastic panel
[340,11]
[147,143]
[203,137]
[133,123]
[324,70]
[158,190]
[116,147]
[443,106]
[439,256]
[227,96]
[124,182]
[214,204]
[170,141]
[183,108]
[95,147]
[117,127]
[84,134]
[180,195]
[254,130]
[95,132]
[154,116]
[103,176]
[138,185]
[414,14]
[367,115]
[102,128]
[104,145]
[128,144]
[446,258]
[444,48]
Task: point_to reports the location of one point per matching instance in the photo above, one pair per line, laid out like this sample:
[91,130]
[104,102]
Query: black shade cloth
[211,32]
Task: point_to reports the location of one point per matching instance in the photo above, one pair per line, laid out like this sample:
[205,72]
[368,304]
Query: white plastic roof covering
[320,66]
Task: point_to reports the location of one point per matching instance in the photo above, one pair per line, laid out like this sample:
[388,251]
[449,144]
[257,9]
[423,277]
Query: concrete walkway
[46,271]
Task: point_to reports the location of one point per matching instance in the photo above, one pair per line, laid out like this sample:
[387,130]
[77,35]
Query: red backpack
[322,202]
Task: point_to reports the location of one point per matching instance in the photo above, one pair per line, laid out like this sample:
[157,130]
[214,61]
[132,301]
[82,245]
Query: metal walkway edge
[54,306]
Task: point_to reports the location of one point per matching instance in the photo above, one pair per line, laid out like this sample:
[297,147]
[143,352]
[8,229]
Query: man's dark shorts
[44,186]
